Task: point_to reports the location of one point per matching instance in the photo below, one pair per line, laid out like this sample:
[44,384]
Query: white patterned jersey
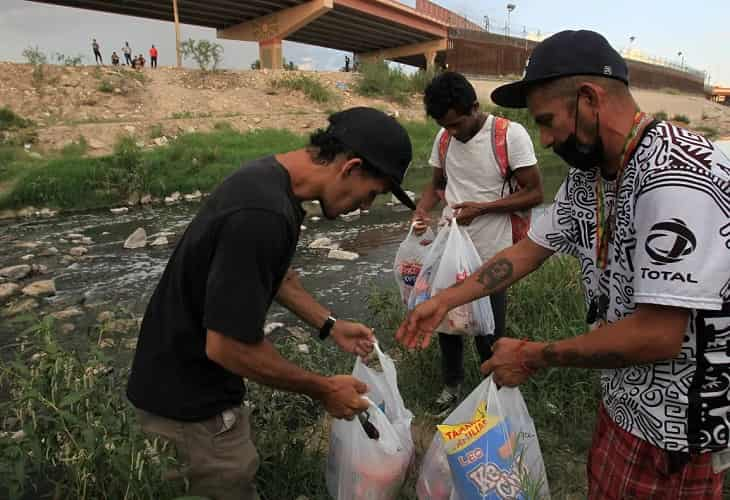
[671,247]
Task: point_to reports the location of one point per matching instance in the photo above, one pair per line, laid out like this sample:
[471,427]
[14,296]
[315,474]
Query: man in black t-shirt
[203,328]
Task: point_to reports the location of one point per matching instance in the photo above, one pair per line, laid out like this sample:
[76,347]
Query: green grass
[182,114]
[71,417]
[195,161]
[308,85]
[82,426]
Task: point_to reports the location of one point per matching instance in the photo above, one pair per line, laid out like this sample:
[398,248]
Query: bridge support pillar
[270,54]
[430,60]
[429,49]
[271,29]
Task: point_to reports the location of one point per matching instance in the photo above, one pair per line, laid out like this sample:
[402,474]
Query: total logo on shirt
[669,242]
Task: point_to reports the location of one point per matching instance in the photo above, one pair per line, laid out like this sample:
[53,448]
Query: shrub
[75,149]
[311,87]
[156,131]
[681,119]
[37,59]
[378,79]
[68,60]
[106,86]
[130,170]
[9,120]
[207,55]
[710,132]
[661,116]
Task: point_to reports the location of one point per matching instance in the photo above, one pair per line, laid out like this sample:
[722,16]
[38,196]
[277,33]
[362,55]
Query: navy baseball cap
[379,140]
[568,53]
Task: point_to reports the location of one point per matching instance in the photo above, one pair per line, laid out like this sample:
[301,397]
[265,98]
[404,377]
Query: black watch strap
[324,332]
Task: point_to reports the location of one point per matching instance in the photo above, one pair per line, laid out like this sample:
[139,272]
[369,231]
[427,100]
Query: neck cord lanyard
[607,223]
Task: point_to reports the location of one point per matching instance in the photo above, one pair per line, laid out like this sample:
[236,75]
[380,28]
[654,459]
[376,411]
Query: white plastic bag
[459,260]
[493,457]
[422,289]
[361,468]
[409,260]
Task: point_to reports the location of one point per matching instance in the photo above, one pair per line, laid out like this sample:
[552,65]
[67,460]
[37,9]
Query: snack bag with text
[492,451]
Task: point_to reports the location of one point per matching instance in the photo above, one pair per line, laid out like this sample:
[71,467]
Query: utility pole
[510,8]
[177,34]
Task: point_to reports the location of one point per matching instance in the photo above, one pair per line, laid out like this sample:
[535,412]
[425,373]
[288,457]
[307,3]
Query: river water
[110,277]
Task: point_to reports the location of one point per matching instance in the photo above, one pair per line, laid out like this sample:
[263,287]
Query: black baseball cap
[379,140]
[568,53]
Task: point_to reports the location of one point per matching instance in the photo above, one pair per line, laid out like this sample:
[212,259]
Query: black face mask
[576,154]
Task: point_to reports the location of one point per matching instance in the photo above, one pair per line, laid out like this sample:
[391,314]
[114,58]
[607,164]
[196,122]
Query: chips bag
[490,445]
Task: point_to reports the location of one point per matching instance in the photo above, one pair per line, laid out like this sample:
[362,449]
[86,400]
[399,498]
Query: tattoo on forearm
[492,276]
[571,357]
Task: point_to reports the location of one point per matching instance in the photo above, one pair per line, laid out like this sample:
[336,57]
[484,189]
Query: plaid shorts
[622,466]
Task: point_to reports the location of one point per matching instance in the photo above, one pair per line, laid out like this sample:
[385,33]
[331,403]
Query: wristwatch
[324,332]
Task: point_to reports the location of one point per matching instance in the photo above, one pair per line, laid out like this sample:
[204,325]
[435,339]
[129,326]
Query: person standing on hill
[488,169]
[153,57]
[645,209]
[127,51]
[97,51]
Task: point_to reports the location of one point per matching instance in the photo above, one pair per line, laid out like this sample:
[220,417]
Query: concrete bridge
[370,29]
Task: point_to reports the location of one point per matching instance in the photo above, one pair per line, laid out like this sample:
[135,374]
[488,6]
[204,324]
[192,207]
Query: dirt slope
[100,103]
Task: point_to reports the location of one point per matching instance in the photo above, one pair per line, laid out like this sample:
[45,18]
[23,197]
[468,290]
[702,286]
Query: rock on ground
[7,290]
[342,255]
[16,272]
[138,239]
[43,288]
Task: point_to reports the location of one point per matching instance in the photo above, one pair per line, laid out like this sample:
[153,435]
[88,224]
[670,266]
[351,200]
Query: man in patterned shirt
[646,211]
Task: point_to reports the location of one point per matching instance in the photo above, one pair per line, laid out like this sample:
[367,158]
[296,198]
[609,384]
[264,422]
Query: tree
[207,55]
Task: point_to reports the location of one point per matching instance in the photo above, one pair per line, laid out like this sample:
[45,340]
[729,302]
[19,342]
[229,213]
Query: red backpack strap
[499,145]
[444,141]
[520,220]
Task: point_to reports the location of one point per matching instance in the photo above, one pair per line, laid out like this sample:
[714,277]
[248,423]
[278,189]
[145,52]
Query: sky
[662,28]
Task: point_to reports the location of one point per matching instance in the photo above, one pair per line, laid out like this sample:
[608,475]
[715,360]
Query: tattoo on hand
[495,274]
[573,358]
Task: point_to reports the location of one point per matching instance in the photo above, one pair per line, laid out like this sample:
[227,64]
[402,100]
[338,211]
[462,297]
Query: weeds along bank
[69,179]
[68,429]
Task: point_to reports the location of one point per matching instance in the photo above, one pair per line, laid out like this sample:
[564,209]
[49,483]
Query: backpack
[520,220]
